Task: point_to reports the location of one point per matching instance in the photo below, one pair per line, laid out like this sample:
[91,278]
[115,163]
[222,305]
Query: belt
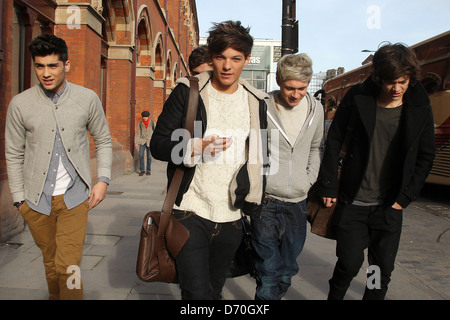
[182,211]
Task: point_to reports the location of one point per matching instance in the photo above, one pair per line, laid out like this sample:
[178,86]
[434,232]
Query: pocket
[24,208]
[394,218]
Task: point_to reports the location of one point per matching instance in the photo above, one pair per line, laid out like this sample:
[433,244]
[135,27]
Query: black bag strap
[176,180]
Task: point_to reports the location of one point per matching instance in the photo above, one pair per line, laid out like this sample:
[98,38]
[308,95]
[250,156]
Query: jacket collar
[415,96]
[415,109]
[205,77]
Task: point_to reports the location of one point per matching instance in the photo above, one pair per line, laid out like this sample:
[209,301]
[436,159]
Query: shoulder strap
[176,180]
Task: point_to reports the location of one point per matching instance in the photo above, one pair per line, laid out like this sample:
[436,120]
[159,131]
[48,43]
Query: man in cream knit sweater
[48,161]
[223,177]
[295,128]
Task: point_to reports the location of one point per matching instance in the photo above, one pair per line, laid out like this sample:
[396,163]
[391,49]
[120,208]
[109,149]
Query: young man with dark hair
[48,162]
[223,176]
[199,60]
[391,151]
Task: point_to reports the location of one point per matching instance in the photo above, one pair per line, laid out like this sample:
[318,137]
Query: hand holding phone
[220,139]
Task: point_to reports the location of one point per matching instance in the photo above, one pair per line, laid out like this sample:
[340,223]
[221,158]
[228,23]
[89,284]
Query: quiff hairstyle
[47,44]
[295,67]
[229,34]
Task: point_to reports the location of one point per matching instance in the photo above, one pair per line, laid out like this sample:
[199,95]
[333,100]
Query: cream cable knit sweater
[208,195]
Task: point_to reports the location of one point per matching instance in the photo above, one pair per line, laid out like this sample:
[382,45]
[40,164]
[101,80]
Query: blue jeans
[142,149]
[278,238]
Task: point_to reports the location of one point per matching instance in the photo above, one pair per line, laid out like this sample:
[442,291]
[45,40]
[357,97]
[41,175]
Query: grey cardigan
[294,166]
[31,123]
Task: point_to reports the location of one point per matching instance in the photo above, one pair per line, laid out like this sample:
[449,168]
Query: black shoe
[148,173]
[141,173]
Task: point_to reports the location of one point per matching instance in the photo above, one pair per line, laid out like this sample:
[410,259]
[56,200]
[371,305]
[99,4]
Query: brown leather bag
[162,236]
[319,216]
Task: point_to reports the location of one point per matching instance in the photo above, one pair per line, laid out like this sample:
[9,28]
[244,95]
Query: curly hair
[392,61]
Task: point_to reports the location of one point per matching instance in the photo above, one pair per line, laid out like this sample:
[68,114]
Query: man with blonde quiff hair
[295,130]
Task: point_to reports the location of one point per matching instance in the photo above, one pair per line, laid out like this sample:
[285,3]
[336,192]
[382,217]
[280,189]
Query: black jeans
[204,260]
[357,228]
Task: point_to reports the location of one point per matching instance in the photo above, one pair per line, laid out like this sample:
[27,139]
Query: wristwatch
[18,204]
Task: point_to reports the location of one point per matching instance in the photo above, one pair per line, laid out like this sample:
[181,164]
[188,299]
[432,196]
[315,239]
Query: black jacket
[173,117]
[358,108]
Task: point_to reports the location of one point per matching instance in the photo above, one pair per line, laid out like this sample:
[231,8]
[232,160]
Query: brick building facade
[130,52]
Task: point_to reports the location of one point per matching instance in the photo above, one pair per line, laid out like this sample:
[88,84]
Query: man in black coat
[391,151]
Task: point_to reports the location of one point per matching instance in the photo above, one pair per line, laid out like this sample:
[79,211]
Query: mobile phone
[219,139]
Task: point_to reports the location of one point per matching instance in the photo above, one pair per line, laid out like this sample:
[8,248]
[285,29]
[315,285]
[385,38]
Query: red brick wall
[144,98]
[5,85]
[84,47]
[118,101]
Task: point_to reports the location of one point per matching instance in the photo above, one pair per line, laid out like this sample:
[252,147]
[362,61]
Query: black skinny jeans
[204,260]
[377,228]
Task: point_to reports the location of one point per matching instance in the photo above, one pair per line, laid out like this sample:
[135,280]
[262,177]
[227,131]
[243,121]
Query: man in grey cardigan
[48,162]
[295,131]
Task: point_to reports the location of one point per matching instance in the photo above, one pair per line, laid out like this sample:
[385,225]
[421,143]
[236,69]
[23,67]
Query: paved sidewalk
[422,270]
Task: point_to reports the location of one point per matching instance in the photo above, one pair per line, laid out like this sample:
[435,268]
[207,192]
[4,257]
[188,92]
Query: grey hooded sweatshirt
[294,165]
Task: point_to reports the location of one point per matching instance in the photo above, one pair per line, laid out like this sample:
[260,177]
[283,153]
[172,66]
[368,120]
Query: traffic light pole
[289,29]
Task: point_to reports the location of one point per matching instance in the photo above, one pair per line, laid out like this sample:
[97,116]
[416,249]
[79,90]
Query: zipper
[288,191]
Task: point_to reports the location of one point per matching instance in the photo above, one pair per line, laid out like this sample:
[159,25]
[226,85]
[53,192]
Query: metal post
[289,28]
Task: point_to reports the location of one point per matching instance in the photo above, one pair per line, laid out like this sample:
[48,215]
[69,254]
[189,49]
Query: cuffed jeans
[142,150]
[204,260]
[60,237]
[357,228]
[278,238]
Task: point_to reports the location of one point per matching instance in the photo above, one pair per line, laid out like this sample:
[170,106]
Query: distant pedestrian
[144,133]
[390,155]
[47,156]
[295,129]
[222,175]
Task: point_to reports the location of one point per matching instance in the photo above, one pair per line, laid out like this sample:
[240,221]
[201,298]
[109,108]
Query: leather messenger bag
[162,236]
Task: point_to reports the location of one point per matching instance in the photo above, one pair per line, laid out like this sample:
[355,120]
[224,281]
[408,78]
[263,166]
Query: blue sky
[333,32]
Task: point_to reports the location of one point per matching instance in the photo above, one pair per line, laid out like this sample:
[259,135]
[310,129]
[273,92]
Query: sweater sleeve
[15,136]
[316,143]
[98,127]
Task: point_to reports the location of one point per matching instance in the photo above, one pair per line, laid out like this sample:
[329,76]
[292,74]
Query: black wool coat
[358,108]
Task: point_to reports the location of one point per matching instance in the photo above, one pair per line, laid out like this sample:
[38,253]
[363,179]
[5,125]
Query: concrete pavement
[422,269]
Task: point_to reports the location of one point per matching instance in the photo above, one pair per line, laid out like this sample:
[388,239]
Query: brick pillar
[118,100]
